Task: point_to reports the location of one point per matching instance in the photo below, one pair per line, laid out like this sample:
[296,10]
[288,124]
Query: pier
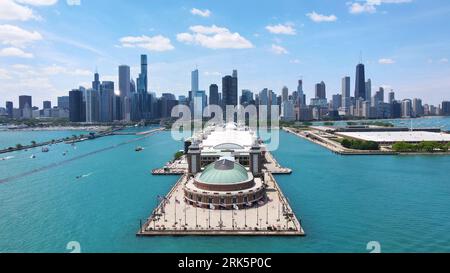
[174,217]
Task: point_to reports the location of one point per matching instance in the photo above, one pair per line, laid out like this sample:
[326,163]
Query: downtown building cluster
[133,102]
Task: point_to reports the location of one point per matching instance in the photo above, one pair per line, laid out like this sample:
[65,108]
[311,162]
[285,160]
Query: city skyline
[45,55]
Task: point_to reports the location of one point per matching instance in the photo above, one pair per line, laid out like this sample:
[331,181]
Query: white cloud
[152,43]
[279,50]
[370,6]
[319,18]
[443,60]
[20,10]
[295,61]
[10,10]
[14,52]
[73,2]
[214,37]
[38,2]
[16,36]
[202,13]
[286,29]
[386,61]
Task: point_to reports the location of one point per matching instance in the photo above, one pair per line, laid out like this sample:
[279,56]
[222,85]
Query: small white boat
[32,156]
[45,149]
[138,149]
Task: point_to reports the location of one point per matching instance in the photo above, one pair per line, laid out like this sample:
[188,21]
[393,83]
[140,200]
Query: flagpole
[196,207]
[245,217]
[267,212]
[232,218]
[257,213]
[209,218]
[185,223]
[175,210]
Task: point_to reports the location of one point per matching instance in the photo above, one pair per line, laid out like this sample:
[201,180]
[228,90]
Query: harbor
[235,193]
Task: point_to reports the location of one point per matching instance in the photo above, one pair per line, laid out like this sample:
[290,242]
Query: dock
[174,217]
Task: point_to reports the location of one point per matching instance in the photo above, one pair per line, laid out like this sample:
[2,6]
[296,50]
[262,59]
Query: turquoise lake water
[11,138]
[344,202]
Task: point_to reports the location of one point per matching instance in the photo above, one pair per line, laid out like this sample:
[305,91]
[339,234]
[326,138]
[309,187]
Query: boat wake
[7,158]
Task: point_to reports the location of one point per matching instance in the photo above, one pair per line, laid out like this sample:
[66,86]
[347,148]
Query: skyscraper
[213,94]
[142,81]
[92,103]
[125,91]
[301,95]
[321,92]
[63,102]
[24,101]
[346,92]
[106,102]
[445,108]
[368,88]
[247,97]
[391,97]
[360,82]
[9,109]
[76,106]
[47,105]
[124,81]
[284,94]
[96,82]
[194,81]
[230,90]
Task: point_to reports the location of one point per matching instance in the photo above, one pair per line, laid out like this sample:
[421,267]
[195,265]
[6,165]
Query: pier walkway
[174,217]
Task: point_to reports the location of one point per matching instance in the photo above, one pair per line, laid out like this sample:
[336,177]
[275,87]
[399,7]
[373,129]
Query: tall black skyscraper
[360,85]
[213,94]
[76,108]
[23,101]
[96,82]
[230,90]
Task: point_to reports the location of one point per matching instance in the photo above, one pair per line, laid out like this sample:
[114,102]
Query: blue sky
[48,47]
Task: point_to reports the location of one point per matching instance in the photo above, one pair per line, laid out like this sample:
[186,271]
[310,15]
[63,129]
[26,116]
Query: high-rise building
[417,108]
[230,90]
[336,102]
[194,81]
[142,81]
[360,82]
[125,91]
[24,101]
[368,88]
[300,94]
[106,101]
[9,109]
[63,102]
[445,111]
[406,108]
[92,105]
[391,97]
[76,106]
[47,105]
[345,92]
[287,110]
[321,92]
[213,94]
[247,97]
[284,94]
[124,81]
[96,82]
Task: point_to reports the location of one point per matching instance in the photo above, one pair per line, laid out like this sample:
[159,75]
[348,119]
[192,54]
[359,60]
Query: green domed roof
[224,171]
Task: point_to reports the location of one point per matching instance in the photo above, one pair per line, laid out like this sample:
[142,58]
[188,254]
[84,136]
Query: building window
[222,200]
[245,199]
[210,200]
[199,199]
[234,200]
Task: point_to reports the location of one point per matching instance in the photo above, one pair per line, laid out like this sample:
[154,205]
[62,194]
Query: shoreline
[57,128]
